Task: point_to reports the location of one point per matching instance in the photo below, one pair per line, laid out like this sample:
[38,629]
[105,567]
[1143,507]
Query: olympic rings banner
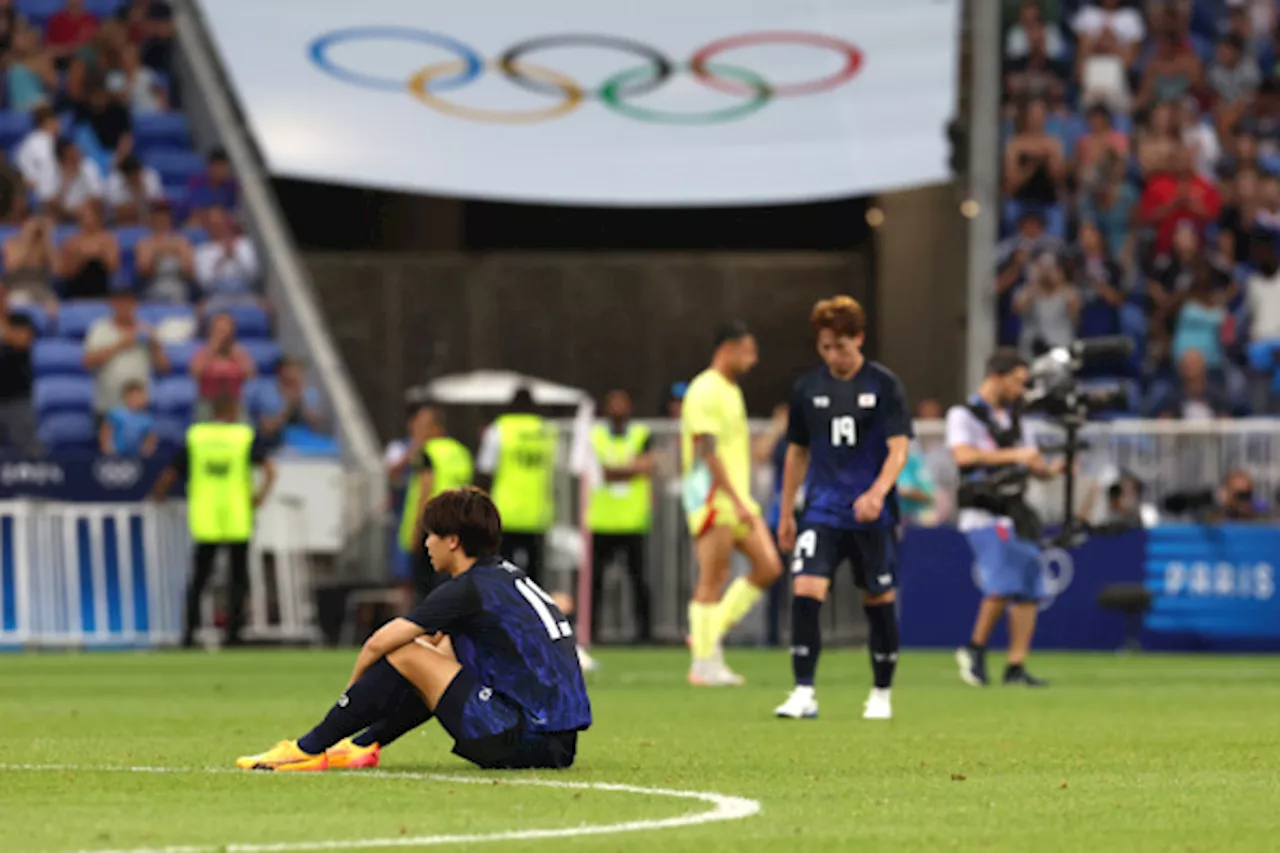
[659,103]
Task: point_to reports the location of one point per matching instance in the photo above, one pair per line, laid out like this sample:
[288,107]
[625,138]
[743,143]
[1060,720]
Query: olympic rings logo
[431,84]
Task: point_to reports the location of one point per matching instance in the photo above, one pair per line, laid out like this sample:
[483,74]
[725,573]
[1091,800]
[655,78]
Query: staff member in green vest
[217,461]
[438,463]
[518,459]
[621,508]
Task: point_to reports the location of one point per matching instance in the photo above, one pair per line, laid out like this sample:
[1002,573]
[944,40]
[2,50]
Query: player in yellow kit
[716,457]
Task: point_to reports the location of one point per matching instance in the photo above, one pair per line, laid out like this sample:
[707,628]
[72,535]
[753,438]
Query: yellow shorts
[720,513]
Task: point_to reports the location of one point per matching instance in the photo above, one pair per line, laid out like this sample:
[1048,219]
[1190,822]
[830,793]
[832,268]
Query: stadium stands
[162,140]
[1146,121]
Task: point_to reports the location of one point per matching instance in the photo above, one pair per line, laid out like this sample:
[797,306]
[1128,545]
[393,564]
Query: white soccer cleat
[713,673]
[800,705]
[586,661]
[878,706]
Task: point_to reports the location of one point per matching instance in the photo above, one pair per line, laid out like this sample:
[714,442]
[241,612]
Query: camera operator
[994,454]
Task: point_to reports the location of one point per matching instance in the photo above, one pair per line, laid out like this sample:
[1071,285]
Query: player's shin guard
[737,602]
[408,715]
[380,688]
[806,639]
[883,641]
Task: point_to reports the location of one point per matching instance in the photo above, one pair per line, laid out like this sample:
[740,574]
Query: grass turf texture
[1130,753]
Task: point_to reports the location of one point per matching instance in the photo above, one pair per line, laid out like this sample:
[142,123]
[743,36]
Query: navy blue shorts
[872,552]
[489,731]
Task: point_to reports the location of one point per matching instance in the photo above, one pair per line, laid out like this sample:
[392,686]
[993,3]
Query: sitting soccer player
[487,652]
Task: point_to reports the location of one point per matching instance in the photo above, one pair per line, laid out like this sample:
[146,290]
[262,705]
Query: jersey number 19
[538,600]
[844,430]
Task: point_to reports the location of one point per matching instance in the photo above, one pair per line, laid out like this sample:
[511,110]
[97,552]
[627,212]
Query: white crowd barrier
[115,576]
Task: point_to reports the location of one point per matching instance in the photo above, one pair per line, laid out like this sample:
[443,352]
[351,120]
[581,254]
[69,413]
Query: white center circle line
[724,808]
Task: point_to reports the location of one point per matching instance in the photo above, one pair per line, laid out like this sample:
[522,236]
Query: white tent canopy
[497,387]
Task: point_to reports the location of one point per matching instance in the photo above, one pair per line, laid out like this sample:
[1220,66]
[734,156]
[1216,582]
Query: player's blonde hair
[841,314]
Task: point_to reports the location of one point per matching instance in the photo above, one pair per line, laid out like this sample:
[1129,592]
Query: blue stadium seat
[75,318]
[103,8]
[266,355]
[174,165]
[177,194]
[39,11]
[67,431]
[57,357]
[36,314]
[252,320]
[14,126]
[254,388]
[155,313]
[180,356]
[128,237]
[175,396]
[63,394]
[161,130]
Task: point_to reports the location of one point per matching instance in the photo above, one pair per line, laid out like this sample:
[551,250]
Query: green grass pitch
[1147,753]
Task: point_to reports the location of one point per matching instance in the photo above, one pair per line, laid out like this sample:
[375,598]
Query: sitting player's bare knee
[811,587]
[429,671]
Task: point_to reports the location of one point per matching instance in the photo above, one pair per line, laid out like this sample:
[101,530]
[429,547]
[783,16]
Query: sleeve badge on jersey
[867,401]
[821,402]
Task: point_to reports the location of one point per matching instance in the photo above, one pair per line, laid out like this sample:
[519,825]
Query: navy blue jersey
[846,425]
[512,638]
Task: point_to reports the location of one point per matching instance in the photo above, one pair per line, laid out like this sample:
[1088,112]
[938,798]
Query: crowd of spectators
[1141,194]
[113,232]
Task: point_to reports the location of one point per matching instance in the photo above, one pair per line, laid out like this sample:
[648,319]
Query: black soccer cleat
[1019,675]
[973,666]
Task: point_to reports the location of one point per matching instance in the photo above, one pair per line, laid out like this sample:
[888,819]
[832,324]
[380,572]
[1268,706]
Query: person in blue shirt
[848,437]
[129,429]
[487,652]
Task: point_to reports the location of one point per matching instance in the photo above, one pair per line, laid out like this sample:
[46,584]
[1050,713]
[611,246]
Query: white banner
[598,102]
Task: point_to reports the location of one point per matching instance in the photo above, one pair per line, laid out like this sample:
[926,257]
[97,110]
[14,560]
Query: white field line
[723,808]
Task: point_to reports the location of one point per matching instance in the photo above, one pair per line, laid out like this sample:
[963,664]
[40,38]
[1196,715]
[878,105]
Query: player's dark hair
[841,314]
[469,514]
[1004,361]
[734,330]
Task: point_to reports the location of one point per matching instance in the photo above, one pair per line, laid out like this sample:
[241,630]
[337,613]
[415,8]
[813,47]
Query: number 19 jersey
[511,637]
[846,425]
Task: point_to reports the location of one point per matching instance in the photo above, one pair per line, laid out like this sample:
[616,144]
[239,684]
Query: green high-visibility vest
[524,479]
[451,468]
[625,506]
[220,482]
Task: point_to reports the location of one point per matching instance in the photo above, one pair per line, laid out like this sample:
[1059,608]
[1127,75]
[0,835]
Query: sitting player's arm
[391,636]
[448,604]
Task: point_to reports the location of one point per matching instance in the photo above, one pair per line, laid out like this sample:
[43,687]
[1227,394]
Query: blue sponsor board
[1214,589]
[81,479]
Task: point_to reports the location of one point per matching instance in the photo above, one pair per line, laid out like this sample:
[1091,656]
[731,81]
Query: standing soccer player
[716,454]
[849,431]
[487,652]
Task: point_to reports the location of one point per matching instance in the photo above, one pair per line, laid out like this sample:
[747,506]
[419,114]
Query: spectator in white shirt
[132,190]
[35,156]
[79,181]
[1111,16]
[146,94]
[1262,291]
[227,265]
